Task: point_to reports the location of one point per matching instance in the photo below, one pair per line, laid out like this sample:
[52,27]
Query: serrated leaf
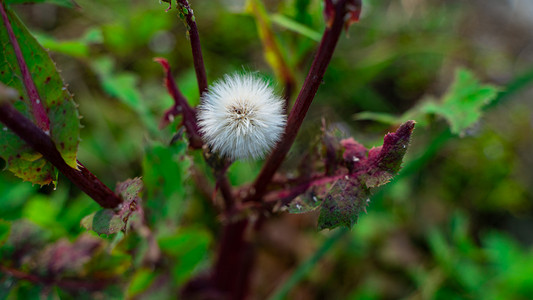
[463,103]
[66,3]
[384,162]
[61,109]
[108,221]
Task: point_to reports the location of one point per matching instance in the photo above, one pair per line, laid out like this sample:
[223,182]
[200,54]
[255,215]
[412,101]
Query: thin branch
[39,112]
[194,37]
[285,196]
[181,106]
[303,102]
[42,143]
[225,189]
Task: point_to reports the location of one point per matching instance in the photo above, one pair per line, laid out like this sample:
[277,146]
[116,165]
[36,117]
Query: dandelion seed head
[241,117]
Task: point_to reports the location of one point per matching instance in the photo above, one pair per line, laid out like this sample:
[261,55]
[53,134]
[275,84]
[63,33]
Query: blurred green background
[455,224]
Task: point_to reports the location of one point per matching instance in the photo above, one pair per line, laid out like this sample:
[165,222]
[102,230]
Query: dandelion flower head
[241,117]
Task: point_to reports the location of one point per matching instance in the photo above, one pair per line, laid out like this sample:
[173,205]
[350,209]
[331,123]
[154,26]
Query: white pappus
[241,117]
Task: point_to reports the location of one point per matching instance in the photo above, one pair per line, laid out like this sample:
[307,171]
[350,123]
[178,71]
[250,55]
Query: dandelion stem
[303,102]
[194,37]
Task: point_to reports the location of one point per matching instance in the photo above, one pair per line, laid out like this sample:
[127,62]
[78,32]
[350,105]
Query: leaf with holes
[60,108]
[342,206]
[354,172]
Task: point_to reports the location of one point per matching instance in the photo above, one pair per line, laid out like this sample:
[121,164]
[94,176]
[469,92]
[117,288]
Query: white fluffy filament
[241,117]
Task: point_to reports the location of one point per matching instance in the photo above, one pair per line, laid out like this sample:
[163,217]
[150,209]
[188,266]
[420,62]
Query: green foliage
[66,3]
[140,281]
[5,228]
[461,106]
[293,25]
[64,124]
[189,247]
[77,48]
[123,86]
[166,176]
[463,103]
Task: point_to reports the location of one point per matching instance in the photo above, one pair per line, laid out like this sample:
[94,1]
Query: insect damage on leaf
[344,194]
[109,221]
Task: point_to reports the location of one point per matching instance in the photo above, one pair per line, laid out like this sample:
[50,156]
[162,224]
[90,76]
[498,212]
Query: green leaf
[61,109]
[190,247]
[104,221]
[463,103]
[124,87]
[108,221]
[5,229]
[384,118]
[293,25]
[142,279]
[41,210]
[166,175]
[66,3]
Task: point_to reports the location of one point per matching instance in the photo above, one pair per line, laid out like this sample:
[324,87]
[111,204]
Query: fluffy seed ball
[241,117]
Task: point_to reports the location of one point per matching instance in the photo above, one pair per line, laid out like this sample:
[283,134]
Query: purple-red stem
[39,112]
[232,268]
[235,255]
[195,46]
[181,106]
[302,104]
[42,143]
[69,284]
